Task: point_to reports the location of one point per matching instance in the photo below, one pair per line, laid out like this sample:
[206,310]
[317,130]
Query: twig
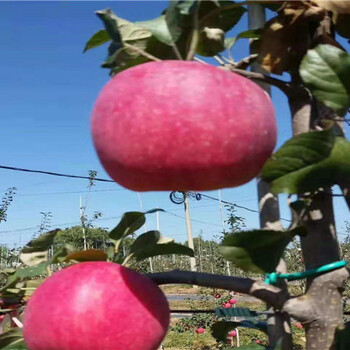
[282,85]
[227,60]
[246,62]
[199,60]
[177,52]
[195,34]
[142,52]
[268,293]
[217,58]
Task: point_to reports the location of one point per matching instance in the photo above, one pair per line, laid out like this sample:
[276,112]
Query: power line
[54,174]
[69,192]
[236,205]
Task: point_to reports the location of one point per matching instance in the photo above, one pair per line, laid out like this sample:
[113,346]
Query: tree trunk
[323,300]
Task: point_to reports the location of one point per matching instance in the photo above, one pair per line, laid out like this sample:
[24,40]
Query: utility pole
[278,324]
[228,269]
[189,231]
[82,219]
[145,230]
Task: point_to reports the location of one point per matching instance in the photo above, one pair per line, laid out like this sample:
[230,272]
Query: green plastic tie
[272,278]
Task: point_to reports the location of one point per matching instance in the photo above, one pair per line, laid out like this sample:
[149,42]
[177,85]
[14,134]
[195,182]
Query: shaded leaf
[110,21]
[326,71]
[36,251]
[307,162]
[258,250]
[12,337]
[221,329]
[221,14]
[87,255]
[130,222]
[151,244]
[99,38]
[237,312]
[176,16]
[159,29]
[211,42]
[149,238]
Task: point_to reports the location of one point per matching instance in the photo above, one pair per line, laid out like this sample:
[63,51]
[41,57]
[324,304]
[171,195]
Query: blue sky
[48,87]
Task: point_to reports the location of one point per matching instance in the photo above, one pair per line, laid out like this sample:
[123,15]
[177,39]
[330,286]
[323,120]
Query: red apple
[96,305]
[232,334]
[217,296]
[200,330]
[232,301]
[177,125]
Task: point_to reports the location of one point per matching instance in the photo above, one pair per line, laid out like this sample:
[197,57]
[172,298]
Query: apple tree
[301,39]
[170,120]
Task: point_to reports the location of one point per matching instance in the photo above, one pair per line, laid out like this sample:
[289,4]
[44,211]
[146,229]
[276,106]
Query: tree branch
[282,85]
[265,292]
[246,62]
[346,192]
[141,52]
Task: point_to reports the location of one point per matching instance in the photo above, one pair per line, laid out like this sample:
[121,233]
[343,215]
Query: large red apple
[177,125]
[96,306]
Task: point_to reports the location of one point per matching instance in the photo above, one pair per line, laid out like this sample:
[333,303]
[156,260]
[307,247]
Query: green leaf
[326,72]
[36,251]
[247,34]
[307,162]
[110,21]
[151,244]
[87,255]
[122,31]
[175,17]
[99,38]
[130,222]
[14,337]
[259,250]
[27,272]
[159,29]
[169,27]
[299,152]
[60,255]
[221,14]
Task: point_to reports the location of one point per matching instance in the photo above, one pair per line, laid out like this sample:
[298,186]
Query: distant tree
[5,202]
[95,237]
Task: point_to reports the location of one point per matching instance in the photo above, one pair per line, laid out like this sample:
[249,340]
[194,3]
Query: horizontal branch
[282,85]
[265,292]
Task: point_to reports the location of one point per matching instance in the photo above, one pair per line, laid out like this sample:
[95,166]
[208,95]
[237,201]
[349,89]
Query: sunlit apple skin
[96,306]
[177,125]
